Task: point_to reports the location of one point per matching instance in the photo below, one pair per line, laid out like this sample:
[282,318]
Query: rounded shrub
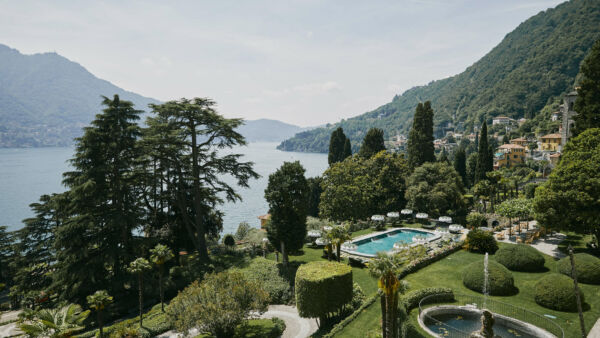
[520,257]
[587,268]
[229,240]
[481,241]
[322,288]
[555,291]
[500,282]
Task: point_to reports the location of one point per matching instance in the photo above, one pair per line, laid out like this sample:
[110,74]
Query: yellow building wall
[550,144]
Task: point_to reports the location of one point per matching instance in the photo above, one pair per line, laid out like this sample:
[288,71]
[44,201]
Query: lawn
[448,273]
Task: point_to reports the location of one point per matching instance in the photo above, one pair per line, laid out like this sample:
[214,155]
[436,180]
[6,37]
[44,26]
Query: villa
[509,155]
[551,142]
[501,120]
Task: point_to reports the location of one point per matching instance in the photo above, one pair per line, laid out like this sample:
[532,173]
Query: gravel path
[10,329]
[595,331]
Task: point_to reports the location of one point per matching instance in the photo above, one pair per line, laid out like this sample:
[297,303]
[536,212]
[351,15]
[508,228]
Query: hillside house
[509,155]
[501,120]
[551,142]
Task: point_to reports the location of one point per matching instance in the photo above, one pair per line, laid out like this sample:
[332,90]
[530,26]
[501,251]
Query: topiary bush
[555,291]
[520,257]
[476,220]
[587,268]
[500,283]
[229,240]
[322,288]
[266,273]
[481,241]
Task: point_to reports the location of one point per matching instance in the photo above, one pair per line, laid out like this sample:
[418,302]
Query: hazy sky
[305,62]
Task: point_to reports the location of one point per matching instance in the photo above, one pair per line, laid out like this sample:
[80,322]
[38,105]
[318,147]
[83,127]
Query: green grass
[254,328]
[448,273]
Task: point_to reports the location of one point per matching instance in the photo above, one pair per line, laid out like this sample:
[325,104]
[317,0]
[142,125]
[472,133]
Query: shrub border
[339,326]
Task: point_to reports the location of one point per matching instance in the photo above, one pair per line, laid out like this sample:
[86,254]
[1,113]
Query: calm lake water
[25,174]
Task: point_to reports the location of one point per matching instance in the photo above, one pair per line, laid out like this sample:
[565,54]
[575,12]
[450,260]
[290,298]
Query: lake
[28,173]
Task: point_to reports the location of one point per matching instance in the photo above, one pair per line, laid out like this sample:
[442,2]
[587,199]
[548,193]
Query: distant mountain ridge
[533,65]
[45,99]
[266,130]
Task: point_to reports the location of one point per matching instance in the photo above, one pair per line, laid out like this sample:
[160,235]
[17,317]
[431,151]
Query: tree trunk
[160,288]
[141,295]
[383,316]
[284,256]
[338,248]
[100,323]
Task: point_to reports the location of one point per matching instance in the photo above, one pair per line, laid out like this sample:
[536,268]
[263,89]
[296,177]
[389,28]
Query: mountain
[265,130]
[45,99]
[533,66]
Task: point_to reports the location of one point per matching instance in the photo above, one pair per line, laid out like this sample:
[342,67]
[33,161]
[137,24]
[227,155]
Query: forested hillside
[45,99]
[533,65]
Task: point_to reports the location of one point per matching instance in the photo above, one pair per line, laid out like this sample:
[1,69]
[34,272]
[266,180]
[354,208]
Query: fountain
[487,319]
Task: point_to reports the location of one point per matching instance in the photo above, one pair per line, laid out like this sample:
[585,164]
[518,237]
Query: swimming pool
[370,245]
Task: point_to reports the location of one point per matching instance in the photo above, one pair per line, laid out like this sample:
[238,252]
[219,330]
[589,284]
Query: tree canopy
[420,139]
[587,104]
[372,143]
[339,147]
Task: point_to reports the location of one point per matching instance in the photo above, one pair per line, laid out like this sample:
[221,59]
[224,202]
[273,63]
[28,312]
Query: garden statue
[487,323]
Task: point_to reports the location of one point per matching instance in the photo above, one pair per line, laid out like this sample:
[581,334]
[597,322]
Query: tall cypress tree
[372,143]
[460,164]
[485,160]
[337,146]
[420,139]
[587,104]
[95,243]
[347,149]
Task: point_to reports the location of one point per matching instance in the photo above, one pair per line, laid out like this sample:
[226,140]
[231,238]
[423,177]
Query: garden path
[595,331]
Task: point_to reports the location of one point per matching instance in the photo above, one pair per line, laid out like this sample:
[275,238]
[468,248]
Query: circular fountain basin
[468,319]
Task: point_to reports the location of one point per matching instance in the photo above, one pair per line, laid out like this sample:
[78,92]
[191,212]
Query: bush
[476,220]
[555,291]
[529,190]
[358,296]
[587,268]
[266,273]
[520,257]
[228,240]
[242,231]
[481,241]
[322,288]
[500,282]
[411,300]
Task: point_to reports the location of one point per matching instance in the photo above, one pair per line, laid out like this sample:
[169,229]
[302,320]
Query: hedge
[322,288]
[155,323]
[433,257]
[411,300]
[587,268]
[341,325]
[520,257]
[500,282]
[555,291]
[481,241]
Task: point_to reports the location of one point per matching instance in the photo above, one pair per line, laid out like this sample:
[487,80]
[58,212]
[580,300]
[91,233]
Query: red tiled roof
[555,135]
[511,146]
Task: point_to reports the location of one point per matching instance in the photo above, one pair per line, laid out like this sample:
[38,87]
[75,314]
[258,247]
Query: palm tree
[98,301]
[386,267]
[138,267]
[56,323]
[159,255]
[338,235]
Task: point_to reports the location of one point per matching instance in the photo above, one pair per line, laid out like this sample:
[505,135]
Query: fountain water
[485,279]
[487,319]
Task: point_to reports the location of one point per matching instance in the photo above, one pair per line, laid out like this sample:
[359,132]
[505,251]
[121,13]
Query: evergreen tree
[460,164]
[420,139]
[314,197]
[444,156]
[339,146]
[485,160]
[94,244]
[287,194]
[587,104]
[372,143]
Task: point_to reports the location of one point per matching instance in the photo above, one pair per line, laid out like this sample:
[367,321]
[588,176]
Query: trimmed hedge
[500,283]
[411,300]
[555,291]
[520,257]
[587,268]
[433,257]
[341,325]
[322,288]
[481,241]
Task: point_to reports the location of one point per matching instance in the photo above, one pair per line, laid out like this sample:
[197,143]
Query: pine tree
[339,146]
[347,149]
[587,104]
[420,139]
[95,243]
[460,164]
[287,195]
[372,143]
[485,158]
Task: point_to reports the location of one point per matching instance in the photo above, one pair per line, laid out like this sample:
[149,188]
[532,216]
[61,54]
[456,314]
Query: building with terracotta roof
[520,141]
[554,158]
[509,155]
[264,220]
[551,142]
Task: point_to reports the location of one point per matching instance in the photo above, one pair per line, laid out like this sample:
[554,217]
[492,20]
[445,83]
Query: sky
[305,62]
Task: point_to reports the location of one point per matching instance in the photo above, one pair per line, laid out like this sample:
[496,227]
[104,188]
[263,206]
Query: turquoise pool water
[385,242]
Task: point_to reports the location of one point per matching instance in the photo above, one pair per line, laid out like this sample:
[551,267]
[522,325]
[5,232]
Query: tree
[386,267]
[138,267]
[436,188]
[338,144]
[217,305]
[59,323]
[515,208]
[460,164]
[485,157]
[587,104]
[242,231]
[287,195]
[570,199]
[337,236]
[420,138]
[159,255]
[476,220]
[98,301]
[471,169]
[95,240]
[314,197]
[196,134]
[372,143]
